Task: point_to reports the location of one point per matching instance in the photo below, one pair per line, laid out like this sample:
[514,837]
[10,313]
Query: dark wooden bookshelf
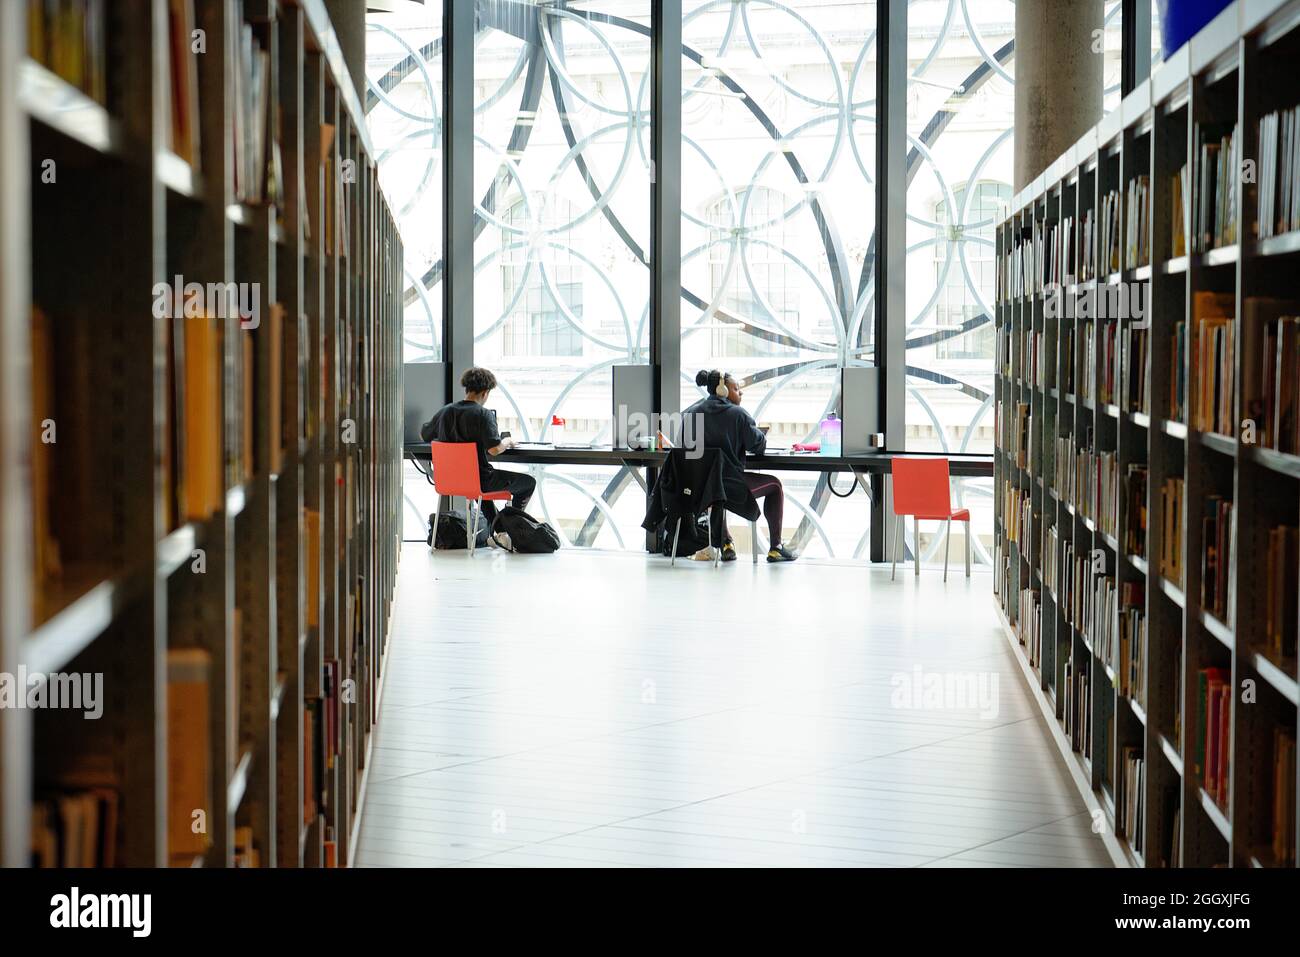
[1237,70]
[273,596]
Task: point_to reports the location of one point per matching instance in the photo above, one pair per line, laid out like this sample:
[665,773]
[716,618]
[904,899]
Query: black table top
[959,465]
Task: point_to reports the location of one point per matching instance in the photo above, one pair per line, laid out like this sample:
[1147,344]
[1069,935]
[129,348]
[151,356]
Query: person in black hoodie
[732,430]
[468,421]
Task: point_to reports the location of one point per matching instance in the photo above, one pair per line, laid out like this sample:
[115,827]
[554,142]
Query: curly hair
[478,380]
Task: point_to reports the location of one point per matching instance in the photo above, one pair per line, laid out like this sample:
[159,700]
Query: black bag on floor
[694,536]
[454,533]
[527,535]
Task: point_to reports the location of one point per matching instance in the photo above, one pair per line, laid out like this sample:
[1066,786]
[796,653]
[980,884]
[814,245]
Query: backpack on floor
[454,533]
[517,531]
[693,537]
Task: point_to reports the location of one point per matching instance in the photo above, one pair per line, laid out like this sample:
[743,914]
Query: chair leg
[898,546]
[968,531]
[947,541]
[676,534]
[437,517]
[916,546]
[472,525]
[753,539]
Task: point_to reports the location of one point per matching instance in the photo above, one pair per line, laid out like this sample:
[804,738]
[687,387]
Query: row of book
[1029,624]
[1032,355]
[1170,560]
[1061,266]
[1109,237]
[183,133]
[1088,246]
[1216,557]
[255,141]
[1136,394]
[1279,172]
[1137,225]
[69,38]
[1022,438]
[1180,211]
[1282,556]
[1128,797]
[1270,390]
[1102,604]
[1211,750]
[77,825]
[1105,346]
[1131,646]
[1135,509]
[1284,784]
[1078,704]
[1217,159]
[1064,473]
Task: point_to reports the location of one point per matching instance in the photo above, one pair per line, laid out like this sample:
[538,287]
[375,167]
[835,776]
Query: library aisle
[815,714]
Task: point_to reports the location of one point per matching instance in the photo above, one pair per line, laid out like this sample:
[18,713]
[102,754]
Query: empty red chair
[922,489]
[455,472]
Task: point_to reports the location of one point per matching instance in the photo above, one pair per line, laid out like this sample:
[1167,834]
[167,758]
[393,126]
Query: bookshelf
[1147,490]
[212,526]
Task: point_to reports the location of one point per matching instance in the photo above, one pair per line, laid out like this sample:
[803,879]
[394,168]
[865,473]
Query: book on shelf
[1270,388]
[75,817]
[1216,556]
[1137,233]
[69,38]
[1109,234]
[183,91]
[1088,246]
[1180,212]
[1210,755]
[1284,787]
[48,568]
[1171,530]
[1136,392]
[1108,375]
[1078,705]
[1131,650]
[1178,373]
[1283,555]
[1128,797]
[1135,498]
[189,769]
[255,140]
[197,422]
[1279,173]
[1213,362]
[1029,624]
[1214,209]
[246,853]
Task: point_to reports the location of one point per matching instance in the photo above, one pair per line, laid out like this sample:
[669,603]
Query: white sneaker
[501,540]
[705,554]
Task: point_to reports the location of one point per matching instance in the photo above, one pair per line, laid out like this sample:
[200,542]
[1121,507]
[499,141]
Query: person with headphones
[732,430]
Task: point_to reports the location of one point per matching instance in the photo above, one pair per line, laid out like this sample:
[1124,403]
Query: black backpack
[454,533]
[693,537]
[527,535]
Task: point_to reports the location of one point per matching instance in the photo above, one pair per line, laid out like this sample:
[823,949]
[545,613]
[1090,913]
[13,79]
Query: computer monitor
[860,410]
[424,392]
[634,398]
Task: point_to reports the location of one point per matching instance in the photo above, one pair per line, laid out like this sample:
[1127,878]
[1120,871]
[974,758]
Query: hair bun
[702,377]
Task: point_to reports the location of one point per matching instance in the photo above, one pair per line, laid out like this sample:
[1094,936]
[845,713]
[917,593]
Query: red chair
[922,489]
[455,472]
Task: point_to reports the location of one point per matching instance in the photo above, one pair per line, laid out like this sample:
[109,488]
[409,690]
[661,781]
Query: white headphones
[721,389]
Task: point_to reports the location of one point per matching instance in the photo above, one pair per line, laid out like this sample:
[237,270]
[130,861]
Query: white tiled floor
[598,708]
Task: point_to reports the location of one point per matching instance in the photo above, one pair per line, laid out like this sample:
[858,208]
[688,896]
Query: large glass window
[778,221]
[403,112]
[562,233]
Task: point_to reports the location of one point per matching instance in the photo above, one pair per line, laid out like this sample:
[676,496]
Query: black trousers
[520,485]
[766,488]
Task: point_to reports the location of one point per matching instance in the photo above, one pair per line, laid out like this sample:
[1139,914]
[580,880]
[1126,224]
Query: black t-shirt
[464,421]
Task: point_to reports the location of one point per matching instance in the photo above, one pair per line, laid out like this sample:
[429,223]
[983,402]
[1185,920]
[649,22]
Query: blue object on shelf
[1180,20]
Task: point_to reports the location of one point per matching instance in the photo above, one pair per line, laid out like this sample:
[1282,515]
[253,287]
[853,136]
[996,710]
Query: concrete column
[349,19]
[1058,66]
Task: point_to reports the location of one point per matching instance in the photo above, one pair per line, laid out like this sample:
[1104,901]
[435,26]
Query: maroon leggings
[765,487]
